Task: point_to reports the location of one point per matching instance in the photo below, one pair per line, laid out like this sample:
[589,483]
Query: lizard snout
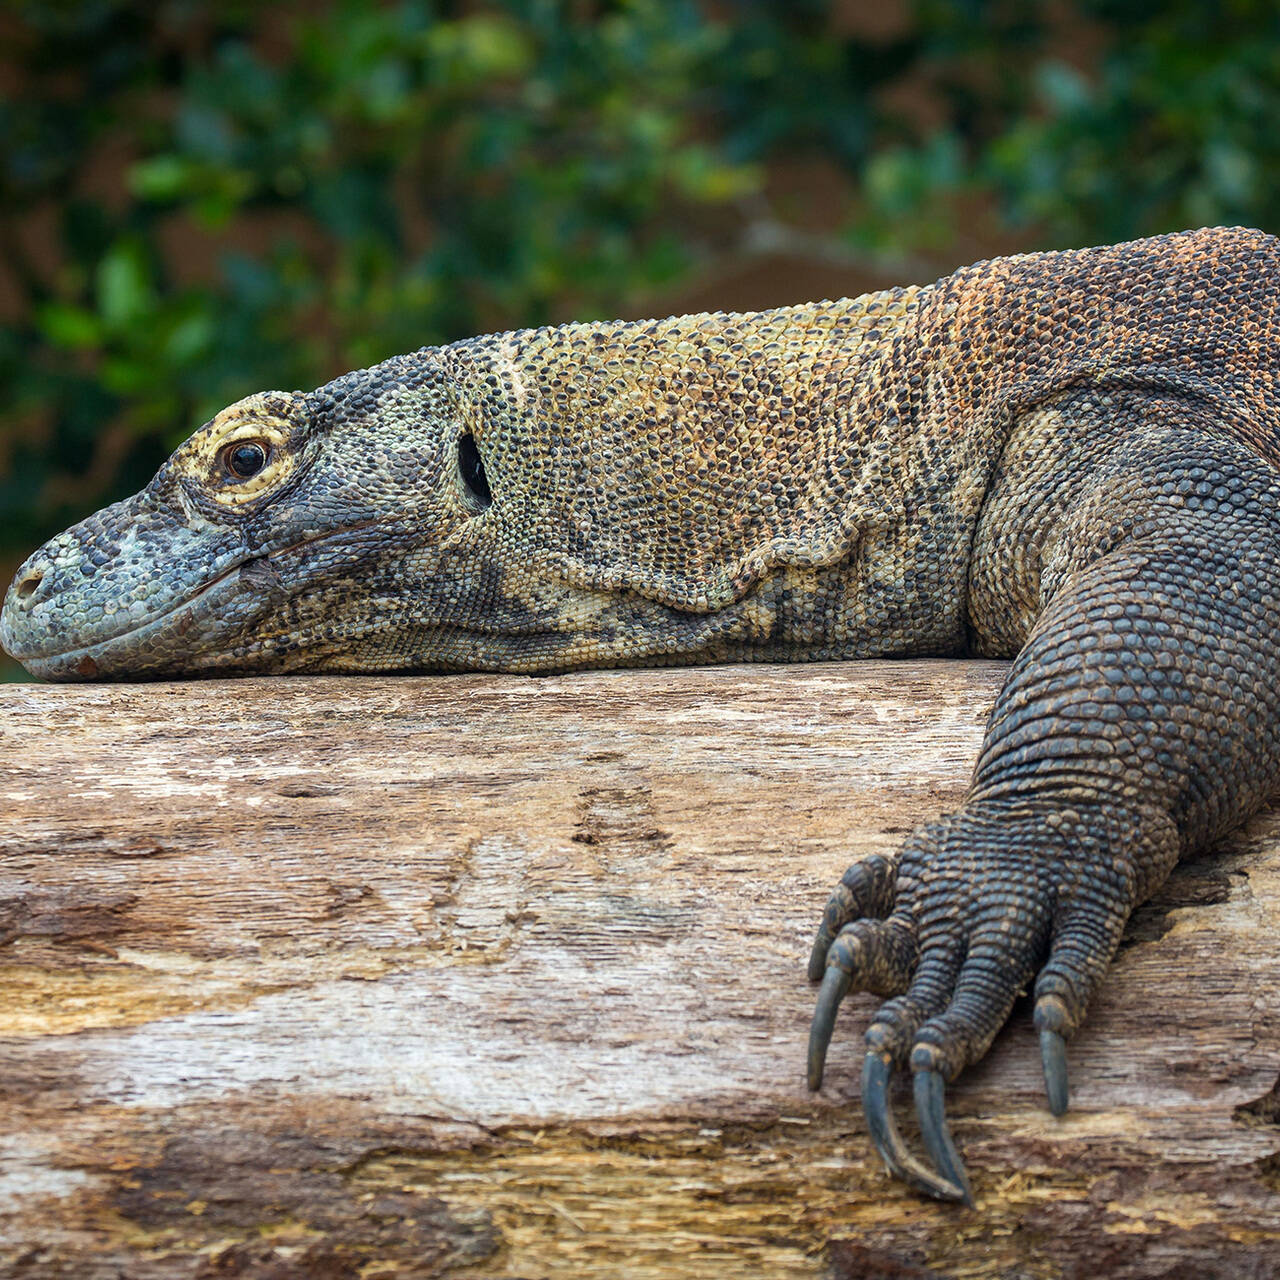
[111,595]
[33,584]
[33,606]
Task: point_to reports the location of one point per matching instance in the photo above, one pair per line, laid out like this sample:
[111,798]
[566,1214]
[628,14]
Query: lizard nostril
[29,585]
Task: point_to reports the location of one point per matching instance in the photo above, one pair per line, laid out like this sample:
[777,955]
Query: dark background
[201,200]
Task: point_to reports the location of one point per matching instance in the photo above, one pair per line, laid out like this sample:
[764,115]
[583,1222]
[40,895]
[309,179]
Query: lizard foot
[954,931]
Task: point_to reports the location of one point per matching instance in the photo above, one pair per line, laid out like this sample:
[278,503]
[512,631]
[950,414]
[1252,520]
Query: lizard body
[1070,457]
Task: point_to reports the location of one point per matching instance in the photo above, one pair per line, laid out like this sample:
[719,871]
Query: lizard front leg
[1140,721]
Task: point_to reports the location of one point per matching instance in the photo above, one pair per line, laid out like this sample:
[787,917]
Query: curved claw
[930,1091]
[835,983]
[876,1072]
[1053,1058]
[836,913]
[818,956]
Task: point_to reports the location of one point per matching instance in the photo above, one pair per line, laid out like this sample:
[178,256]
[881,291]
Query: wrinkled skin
[1071,459]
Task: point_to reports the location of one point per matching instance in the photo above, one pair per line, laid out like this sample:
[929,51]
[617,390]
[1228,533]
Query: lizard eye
[471,467]
[249,450]
[245,459]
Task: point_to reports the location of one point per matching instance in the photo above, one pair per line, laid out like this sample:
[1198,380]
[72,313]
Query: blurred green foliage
[199,198]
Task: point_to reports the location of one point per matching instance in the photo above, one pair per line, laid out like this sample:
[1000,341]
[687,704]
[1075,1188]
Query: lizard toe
[865,890]
[871,955]
[1010,937]
[1082,948]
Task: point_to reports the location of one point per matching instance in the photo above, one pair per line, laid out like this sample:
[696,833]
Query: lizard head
[259,542]
[541,500]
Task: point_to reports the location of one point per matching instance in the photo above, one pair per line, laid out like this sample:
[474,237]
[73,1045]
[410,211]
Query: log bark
[504,977]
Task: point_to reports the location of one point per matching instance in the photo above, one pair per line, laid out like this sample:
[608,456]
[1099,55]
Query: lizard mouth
[156,643]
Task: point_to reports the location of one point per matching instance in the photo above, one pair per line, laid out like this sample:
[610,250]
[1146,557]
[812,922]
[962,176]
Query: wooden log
[504,977]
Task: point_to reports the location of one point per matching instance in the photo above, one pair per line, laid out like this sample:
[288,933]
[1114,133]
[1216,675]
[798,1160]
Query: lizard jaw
[239,595]
[140,649]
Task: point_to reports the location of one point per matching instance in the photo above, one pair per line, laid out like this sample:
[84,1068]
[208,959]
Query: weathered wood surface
[504,978]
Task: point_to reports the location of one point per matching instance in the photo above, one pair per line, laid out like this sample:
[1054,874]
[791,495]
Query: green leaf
[66,325]
[161,178]
[189,338]
[124,286]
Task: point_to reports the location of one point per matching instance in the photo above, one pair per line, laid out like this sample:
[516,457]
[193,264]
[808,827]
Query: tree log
[504,977]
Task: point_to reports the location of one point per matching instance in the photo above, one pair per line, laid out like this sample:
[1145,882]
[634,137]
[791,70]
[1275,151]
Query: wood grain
[503,977]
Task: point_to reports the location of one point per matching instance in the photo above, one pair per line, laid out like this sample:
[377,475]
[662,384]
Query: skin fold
[1069,459]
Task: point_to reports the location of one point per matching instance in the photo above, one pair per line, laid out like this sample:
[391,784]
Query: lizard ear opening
[471,469]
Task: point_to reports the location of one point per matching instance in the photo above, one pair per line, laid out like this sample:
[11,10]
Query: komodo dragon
[1069,457]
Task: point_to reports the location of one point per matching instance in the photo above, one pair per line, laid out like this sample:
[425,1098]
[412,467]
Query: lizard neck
[685,458]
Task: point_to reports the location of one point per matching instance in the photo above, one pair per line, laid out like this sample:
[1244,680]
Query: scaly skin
[1067,457]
